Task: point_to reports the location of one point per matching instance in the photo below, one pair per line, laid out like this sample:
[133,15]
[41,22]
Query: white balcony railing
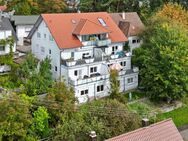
[88,80]
[103,42]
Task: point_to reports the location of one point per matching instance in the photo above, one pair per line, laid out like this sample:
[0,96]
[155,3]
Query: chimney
[145,122]
[123,15]
[93,136]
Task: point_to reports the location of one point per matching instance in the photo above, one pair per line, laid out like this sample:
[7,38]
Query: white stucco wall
[47,45]
[136,44]
[21,32]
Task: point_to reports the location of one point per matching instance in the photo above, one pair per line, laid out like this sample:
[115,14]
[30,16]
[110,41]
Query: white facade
[134,42]
[22,32]
[4,50]
[86,69]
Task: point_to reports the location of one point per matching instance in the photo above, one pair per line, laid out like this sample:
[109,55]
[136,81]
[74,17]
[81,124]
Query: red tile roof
[161,131]
[62,26]
[86,27]
[3,8]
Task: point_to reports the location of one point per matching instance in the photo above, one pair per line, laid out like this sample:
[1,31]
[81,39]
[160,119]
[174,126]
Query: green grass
[179,116]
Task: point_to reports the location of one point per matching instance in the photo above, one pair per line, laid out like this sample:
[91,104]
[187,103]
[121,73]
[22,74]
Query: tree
[15,118]
[109,5]
[40,125]
[35,80]
[163,60]
[174,13]
[113,118]
[52,6]
[23,7]
[114,86]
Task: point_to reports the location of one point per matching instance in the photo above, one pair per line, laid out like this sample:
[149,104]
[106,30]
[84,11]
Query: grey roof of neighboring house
[6,25]
[131,25]
[24,20]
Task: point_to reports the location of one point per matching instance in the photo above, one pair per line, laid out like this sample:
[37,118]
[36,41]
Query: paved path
[184,134]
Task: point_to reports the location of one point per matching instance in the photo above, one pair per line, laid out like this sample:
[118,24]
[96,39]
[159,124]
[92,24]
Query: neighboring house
[131,25]
[23,25]
[83,47]
[6,31]
[161,131]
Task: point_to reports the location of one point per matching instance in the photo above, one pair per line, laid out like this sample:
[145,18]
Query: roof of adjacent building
[131,25]
[161,131]
[63,27]
[24,20]
[3,7]
[6,25]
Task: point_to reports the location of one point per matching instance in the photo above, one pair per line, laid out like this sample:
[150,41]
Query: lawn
[179,116]
[145,108]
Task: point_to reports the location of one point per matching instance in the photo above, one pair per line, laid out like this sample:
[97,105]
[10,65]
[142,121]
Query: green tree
[15,119]
[40,126]
[52,6]
[163,60]
[23,7]
[108,118]
[35,80]
[115,86]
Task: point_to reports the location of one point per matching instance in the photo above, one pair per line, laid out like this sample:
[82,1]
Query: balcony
[86,79]
[103,42]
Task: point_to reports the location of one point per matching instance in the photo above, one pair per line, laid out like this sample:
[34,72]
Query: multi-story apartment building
[83,47]
[6,31]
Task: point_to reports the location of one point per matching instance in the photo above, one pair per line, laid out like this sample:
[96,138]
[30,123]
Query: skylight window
[101,21]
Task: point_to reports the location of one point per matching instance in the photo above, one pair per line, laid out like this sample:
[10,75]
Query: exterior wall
[134,44]
[41,48]
[21,32]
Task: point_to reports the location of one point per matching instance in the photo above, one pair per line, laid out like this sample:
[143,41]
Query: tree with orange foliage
[174,13]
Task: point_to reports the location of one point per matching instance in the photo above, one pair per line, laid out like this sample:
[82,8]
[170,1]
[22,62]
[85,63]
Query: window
[51,38]
[55,68]
[84,92]
[85,38]
[50,52]
[2,48]
[93,69]
[133,41]
[38,35]
[76,73]
[42,49]
[101,21]
[130,80]
[123,63]
[45,36]
[138,40]
[114,49]
[100,88]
